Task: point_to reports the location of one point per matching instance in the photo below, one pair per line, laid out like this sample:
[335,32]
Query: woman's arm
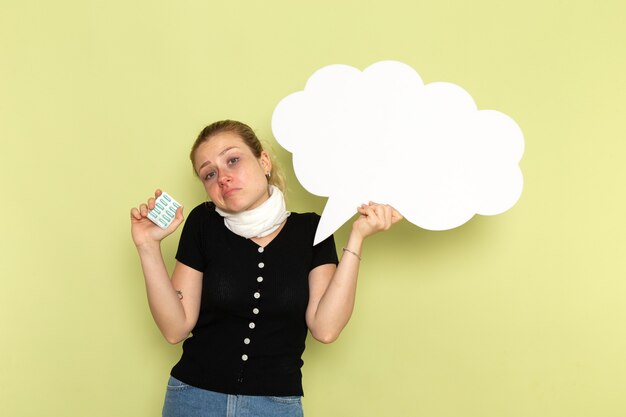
[332,289]
[175,303]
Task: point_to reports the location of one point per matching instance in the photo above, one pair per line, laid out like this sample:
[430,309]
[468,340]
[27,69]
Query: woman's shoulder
[304,227]
[203,212]
[306,216]
[204,207]
[307,220]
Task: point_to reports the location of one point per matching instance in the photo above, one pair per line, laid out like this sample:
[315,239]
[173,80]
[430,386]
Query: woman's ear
[266,162]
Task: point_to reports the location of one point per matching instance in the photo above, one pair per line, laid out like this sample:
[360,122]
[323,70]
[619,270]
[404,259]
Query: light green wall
[516,315]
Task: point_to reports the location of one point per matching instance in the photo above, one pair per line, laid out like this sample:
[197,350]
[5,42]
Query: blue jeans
[182,400]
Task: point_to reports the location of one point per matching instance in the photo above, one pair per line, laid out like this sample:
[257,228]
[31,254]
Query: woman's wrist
[354,244]
[352,253]
[149,247]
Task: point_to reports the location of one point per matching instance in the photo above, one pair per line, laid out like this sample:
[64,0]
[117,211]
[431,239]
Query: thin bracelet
[354,253]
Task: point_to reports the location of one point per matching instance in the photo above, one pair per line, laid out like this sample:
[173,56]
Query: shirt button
[261,264]
[259,279]
[255,310]
[261,250]
[246,341]
[257,295]
[244,357]
[252,325]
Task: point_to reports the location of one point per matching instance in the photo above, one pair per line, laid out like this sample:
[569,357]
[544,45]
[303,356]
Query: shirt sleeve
[324,252]
[191,246]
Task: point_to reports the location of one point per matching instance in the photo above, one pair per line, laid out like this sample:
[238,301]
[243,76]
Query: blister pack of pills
[164,210]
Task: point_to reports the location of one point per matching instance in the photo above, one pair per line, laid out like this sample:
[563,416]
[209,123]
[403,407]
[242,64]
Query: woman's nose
[223,178]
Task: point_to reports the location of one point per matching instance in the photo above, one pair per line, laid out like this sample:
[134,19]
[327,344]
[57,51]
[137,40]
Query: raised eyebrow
[205,163]
[228,149]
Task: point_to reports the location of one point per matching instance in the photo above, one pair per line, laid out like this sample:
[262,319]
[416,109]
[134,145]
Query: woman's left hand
[374,218]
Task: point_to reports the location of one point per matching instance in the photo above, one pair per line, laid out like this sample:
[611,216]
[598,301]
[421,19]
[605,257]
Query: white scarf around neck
[260,221]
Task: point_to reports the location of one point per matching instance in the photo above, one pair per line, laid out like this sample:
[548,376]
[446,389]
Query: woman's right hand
[143,231]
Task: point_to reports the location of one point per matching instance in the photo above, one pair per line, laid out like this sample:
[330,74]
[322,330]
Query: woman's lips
[229,192]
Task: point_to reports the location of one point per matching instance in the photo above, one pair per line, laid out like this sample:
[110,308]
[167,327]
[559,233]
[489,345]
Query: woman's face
[233,177]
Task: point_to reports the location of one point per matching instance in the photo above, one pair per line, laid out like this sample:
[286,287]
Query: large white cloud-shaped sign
[382,135]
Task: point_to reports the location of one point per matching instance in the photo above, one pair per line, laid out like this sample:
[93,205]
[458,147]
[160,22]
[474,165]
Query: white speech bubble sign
[382,135]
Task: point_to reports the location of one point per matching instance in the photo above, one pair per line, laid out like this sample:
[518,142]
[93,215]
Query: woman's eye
[233,161]
[209,175]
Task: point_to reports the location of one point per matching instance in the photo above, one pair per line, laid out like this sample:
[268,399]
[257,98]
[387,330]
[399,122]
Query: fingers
[139,213]
[380,216]
[178,219]
[396,216]
[135,214]
[144,208]
[375,216]
[387,212]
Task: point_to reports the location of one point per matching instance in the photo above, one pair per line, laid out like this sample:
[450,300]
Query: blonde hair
[246,133]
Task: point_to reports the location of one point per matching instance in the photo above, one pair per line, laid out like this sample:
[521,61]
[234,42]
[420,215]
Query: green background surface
[516,315]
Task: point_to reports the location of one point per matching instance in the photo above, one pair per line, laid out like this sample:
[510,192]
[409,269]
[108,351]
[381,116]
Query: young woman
[248,283]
